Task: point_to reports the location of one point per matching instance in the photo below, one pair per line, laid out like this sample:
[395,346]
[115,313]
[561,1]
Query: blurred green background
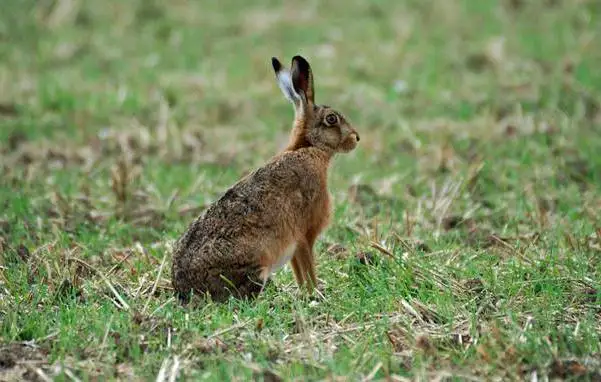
[466,237]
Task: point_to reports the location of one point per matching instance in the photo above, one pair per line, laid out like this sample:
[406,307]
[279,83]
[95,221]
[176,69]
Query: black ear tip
[277,65]
[301,62]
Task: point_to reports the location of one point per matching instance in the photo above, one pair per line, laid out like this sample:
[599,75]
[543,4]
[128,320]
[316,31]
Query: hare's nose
[357,137]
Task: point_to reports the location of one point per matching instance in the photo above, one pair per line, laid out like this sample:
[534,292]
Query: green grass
[466,237]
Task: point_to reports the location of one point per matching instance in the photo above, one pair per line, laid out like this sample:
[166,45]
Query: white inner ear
[285,84]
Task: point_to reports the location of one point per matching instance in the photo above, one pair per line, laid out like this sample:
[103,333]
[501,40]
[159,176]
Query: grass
[466,238]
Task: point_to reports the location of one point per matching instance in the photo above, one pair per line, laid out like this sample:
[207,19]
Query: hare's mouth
[350,142]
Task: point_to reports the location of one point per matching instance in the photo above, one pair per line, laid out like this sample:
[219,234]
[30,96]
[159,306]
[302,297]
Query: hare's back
[264,200]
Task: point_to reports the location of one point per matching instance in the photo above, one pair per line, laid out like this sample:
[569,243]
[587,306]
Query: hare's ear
[285,82]
[302,78]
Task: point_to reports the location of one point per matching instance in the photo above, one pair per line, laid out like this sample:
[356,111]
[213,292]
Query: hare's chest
[320,212]
[327,209]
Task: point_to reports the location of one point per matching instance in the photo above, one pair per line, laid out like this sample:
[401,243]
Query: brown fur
[232,247]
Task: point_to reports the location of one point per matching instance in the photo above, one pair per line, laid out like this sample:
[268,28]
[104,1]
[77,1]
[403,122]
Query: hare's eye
[331,119]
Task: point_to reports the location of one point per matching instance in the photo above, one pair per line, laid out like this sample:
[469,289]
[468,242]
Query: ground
[466,236]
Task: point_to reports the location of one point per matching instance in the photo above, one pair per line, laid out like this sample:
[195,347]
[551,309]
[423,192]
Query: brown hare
[272,215]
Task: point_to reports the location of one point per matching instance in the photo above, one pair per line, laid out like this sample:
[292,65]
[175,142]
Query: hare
[272,215]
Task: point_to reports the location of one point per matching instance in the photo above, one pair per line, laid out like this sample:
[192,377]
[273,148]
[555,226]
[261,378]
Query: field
[465,242]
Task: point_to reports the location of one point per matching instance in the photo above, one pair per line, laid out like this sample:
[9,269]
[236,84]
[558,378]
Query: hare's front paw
[315,295]
[318,294]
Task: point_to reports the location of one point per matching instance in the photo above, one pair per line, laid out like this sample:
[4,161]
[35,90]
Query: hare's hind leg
[252,287]
[242,281]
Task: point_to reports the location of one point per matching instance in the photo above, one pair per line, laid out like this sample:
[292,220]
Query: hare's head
[316,125]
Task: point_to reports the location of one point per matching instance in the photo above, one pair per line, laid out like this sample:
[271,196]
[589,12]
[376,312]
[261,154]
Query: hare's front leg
[303,261]
[303,265]
[297,269]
